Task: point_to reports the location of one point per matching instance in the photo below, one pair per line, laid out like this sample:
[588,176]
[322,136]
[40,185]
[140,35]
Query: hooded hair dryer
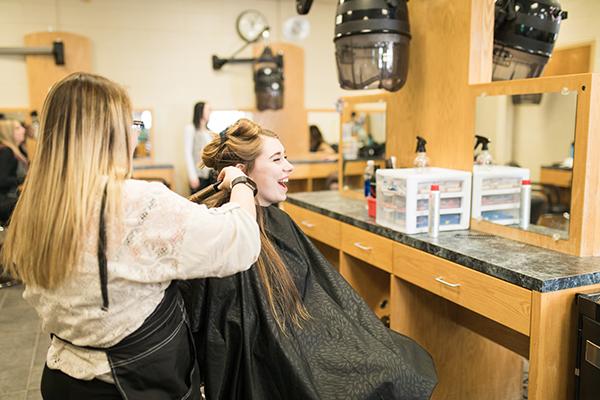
[371,44]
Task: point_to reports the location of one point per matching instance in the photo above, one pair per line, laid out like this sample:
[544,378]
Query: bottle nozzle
[421,144]
[483,141]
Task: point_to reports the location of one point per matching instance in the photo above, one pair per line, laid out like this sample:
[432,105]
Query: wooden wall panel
[434,103]
[42,72]
[577,59]
[290,123]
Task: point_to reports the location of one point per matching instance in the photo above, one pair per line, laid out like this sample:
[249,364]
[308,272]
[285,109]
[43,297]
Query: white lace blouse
[163,237]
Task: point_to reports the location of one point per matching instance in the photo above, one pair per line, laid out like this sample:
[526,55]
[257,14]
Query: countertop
[524,265]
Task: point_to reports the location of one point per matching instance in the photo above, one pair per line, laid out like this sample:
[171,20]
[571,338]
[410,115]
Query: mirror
[221,119]
[144,150]
[363,137]
[539,139]
[324,133]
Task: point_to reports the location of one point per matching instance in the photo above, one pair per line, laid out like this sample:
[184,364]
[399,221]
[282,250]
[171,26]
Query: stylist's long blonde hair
[84,144]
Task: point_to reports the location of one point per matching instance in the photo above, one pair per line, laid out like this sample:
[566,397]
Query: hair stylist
[107,248]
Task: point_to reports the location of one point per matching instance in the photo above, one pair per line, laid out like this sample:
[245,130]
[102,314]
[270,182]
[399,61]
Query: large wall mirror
[363,136]
[539,138]
[556,141]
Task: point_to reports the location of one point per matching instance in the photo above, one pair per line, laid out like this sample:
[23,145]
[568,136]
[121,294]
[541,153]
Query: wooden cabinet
[493,298]
[366,246]
[316,226]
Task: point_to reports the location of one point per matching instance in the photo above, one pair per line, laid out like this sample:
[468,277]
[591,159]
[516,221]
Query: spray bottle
[421,160]
[483,158]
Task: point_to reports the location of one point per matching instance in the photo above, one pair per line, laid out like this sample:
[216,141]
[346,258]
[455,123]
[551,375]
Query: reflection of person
[291,327]
[195,136]
[317,143]
[97,252]
[13,165]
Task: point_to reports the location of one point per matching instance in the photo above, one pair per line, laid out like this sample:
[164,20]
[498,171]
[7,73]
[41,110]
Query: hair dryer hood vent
[372,44]
[525,32]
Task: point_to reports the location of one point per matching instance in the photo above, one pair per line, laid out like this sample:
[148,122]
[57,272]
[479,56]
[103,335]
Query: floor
[22,347]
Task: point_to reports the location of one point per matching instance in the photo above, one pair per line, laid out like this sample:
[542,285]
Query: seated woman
[13,165]
[317,143]
[291,327]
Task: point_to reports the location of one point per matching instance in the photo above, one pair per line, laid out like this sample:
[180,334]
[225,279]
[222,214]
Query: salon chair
[5,281]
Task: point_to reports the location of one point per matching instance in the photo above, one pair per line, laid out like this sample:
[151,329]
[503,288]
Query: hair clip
[223,135]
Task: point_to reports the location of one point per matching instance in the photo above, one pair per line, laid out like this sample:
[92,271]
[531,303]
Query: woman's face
[271,172]
[19,133]
[206,112]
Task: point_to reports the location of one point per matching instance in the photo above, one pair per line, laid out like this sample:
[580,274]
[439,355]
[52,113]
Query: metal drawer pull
[362,246]
[592,353]
[308,224]
[441,280]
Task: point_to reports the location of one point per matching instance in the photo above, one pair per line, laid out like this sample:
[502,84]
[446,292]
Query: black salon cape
[342,352]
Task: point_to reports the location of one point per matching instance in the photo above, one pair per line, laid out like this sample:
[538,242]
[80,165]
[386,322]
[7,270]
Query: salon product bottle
[369,172]
[525,206]
[483,158]
[373,185]
[421,160]
[434,211]
[390,162]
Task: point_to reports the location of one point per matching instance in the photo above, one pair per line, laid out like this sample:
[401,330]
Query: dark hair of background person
[316,138]
[198,113]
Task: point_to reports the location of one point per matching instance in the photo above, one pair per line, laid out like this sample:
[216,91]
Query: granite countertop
[153,166]
[524,265]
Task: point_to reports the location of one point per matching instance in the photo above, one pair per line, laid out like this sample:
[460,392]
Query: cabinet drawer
[372,249]
[315,225]
[491,297]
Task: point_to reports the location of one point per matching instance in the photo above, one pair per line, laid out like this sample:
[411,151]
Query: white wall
[582,25]
[161,51]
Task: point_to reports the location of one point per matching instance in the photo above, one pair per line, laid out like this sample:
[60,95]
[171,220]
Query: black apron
[158,360]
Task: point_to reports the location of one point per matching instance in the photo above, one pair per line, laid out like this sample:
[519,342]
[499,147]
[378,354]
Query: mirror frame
[348,103]
[584,223]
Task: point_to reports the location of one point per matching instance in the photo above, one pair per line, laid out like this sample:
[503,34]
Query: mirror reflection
[144,148]
[363,138]
[537,141]
[324,133]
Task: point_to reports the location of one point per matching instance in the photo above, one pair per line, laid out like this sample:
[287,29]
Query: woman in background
[13,165]
[291,327]
[195,136]
[317,142]
[98,251]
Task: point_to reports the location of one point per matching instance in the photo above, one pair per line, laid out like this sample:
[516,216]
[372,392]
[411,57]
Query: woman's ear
[242,167]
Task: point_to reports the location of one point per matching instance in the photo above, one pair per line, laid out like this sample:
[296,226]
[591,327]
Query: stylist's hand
[241,194]
[227,175]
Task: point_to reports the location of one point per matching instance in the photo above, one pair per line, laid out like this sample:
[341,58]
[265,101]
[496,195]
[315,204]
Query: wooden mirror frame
[584,224]
[348,104]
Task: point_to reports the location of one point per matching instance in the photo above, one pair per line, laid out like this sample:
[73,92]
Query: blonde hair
[242,143]
[7,138]
[83,147]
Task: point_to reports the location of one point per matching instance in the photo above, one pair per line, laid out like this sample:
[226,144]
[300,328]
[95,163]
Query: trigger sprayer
[421,160]
[483,158]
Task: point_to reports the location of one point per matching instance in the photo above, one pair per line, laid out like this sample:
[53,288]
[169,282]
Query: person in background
[291,327]
[13,165]
[195,136]
[317,143]
[98,251]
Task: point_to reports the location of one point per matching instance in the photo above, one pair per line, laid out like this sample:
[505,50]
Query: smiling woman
[291,327]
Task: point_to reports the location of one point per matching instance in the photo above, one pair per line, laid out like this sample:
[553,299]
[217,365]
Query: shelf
[511,221]
[493,192]
[443,195]
[506,206]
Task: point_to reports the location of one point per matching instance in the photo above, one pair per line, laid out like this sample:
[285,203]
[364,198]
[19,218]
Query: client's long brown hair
[241,144]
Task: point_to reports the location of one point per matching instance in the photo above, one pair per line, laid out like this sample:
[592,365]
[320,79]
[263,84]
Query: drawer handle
[308,224]
[441,280]
[362,246]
